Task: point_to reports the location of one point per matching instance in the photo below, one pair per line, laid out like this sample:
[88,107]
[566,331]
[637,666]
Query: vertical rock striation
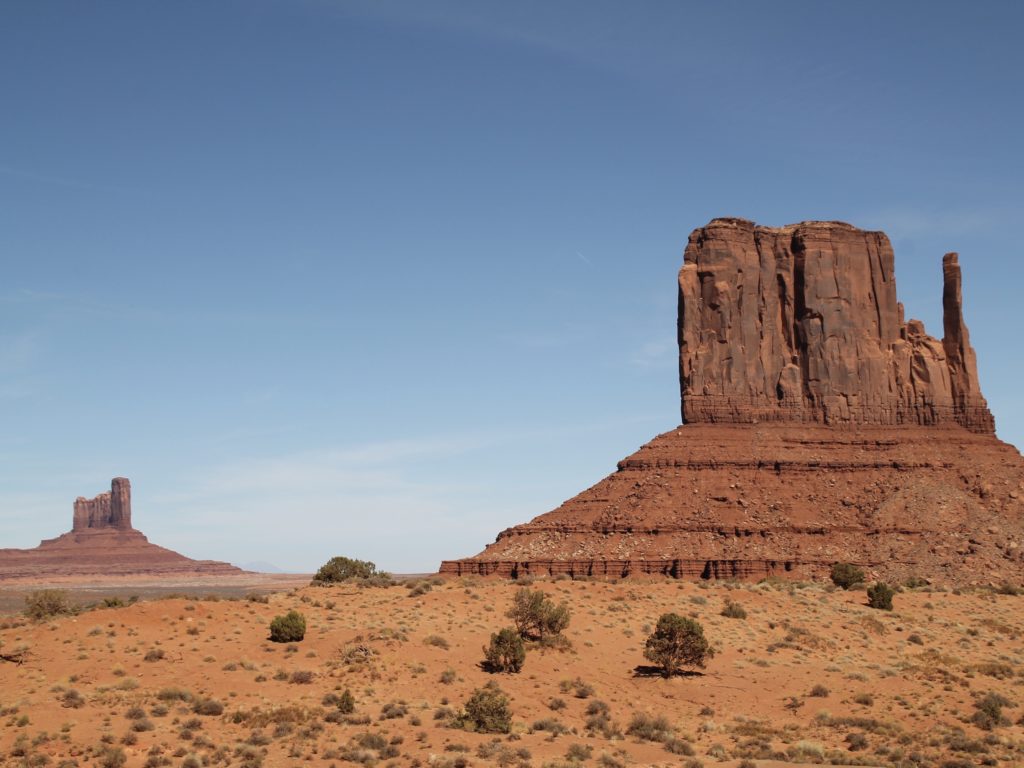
[112,509]
[801,323]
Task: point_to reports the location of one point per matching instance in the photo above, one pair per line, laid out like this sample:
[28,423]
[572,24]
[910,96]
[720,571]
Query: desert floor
[811,675]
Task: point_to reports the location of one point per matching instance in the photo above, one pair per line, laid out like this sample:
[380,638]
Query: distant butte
[102,542]
[819,426]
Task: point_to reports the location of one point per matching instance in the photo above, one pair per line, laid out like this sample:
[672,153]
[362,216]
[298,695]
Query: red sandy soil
[906,681]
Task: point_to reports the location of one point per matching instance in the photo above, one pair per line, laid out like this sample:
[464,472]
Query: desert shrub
[487,711]
[989,711]
[342,568]
[880,596]
[556,704]
[289,628]
[111,757]
[72,699]
[819,691]
[856,742]
[173,694]
[47,603]
[599,720]
[650,728]
[113,602]
[550,725]
[419,588]
[536,615]
[679,747]
[154,654]
[437,641]
[448,676]
[346,702]
[394,710]
[733,610]
[846,575]
[301,677]
[997,669]
[579,753]
[677,642]
[209,707]
[506,652]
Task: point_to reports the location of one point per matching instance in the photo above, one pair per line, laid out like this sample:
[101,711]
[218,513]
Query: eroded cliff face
[819,427]
[801,323]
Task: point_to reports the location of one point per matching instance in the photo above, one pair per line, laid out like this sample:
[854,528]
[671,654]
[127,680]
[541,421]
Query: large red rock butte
[819,426]
[102,542]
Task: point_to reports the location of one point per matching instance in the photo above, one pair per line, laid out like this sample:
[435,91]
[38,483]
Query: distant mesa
[102,542]
[819,426]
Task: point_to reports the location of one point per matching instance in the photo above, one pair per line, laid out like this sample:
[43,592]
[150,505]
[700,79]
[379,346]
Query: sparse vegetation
[677,642]
[47,603]
[988,712]
[506,652]
[536,616]
[846,575]
[880,596]
[733,610]
[487,711]
[289,628]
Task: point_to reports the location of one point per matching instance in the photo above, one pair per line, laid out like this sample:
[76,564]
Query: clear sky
[384,278]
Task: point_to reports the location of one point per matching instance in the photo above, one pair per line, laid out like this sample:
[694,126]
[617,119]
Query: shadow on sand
[649,670]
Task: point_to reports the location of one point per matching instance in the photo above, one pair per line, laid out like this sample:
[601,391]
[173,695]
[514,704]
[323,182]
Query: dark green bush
[536,615]
[506,653]
[289,628]
[487,711]
[343,568]
[677,642]
[846,575]
[880,596]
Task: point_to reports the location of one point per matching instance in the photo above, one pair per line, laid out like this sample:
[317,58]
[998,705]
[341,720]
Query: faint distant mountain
[260,566]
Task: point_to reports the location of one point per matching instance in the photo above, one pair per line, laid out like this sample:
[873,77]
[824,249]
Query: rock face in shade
[103,542]
[819,427]
[802,324]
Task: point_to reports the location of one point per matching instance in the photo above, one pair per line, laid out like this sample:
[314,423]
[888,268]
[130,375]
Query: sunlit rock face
[819,426]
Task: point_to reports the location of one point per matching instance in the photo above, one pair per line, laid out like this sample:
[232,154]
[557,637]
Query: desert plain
[804,673]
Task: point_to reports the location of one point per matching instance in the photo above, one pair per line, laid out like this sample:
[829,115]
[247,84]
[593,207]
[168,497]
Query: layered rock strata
[819,427]
[103,542]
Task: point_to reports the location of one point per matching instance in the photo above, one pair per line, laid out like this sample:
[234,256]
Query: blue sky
[384,278]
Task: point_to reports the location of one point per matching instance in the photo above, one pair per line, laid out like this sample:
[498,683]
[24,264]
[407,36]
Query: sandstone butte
[818,426]
[102,542]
